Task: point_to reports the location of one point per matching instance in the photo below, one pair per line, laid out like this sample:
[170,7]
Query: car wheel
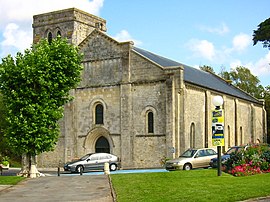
[79,169]
[187,166]
[113,167]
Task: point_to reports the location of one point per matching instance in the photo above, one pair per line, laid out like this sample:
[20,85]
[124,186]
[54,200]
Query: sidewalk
[94,188]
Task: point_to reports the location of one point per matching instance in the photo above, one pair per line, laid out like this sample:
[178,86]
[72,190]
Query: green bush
[254,160]
[4,160]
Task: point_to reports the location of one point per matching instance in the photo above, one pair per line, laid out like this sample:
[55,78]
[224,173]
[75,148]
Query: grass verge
[194,185]
[10,180]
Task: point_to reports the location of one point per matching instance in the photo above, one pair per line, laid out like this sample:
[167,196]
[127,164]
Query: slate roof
[199,77]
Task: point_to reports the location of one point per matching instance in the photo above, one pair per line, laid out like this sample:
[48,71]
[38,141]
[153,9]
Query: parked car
[93,161]
[192,158]
[227,155]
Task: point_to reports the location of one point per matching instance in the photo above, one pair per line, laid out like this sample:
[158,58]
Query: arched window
[58,33]
[50,37]
[241,135]
[150,122]
[229,136]
[192,135]
[99,114]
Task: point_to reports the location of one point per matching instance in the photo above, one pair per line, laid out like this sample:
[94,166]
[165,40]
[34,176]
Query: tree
[35,87]
[3,124]
[207,68]
[245,80]
[262,34]
[267,108]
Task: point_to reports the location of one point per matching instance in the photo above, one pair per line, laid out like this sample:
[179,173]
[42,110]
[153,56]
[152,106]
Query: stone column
[126,126]
[236,136]
[170,124]
[208,122]
[175,111]
[127,133]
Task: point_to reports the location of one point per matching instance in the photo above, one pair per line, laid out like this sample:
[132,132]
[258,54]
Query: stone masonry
[129,87]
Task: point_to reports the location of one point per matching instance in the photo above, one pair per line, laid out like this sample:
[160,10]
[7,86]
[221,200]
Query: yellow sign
[217,127]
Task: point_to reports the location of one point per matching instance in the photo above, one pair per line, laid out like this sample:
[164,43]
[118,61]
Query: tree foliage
[3,124]
[35,86]
[207,68]
[262,34]
[245,80]
[267,108]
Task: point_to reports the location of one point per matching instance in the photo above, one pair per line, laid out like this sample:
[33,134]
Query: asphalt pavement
[90,186]
[96,188]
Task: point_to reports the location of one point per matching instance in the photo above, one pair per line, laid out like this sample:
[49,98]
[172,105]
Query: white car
[93,161]
[192,158]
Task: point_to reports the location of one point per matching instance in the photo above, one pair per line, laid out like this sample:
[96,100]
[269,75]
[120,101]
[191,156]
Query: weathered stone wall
[86,100]
[73,24]
[142,70]
[244,118]
[148,151]
[195,113]
[229,121]
[55,157]
[148,146]
[259,124]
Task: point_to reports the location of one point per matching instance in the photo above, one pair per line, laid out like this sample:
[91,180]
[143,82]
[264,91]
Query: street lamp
[218,128]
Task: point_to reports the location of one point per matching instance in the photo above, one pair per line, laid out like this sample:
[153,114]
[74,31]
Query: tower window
[99,114]
[150,119]
[50,37]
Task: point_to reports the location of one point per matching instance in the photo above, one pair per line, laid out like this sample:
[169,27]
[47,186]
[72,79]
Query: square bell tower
[72,23]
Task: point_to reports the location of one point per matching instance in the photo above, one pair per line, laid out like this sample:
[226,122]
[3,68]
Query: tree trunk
[29,168]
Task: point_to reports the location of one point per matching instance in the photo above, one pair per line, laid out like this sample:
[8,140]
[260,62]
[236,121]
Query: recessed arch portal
[98,140]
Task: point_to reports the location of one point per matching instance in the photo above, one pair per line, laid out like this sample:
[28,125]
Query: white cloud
[21,10]
[123,35]
[17,15]
[257,68]
[15,39]
[221,30]
[202,48]
[241,42]
[262,66]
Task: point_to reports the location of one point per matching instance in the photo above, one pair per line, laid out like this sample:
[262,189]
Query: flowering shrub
[254,160]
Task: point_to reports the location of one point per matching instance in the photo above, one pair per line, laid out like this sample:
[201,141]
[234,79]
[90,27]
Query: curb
[112,189]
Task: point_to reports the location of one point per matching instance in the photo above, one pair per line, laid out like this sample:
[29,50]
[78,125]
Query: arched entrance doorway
[102,145]
[98,140]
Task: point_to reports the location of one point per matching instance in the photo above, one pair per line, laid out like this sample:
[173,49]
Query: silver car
[192,158]
[93,161]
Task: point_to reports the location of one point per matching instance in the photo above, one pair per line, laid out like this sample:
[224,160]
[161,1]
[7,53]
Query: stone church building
[138,105]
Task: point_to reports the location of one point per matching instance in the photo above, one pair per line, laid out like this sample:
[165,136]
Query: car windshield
[234,149]
[189,153]
[85,157]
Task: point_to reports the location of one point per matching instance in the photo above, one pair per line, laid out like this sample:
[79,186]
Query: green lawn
[194,185]
[10,180]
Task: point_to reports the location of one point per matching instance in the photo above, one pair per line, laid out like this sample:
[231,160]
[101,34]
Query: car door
[199,159]
[92,162]
[103,158]
[209,154]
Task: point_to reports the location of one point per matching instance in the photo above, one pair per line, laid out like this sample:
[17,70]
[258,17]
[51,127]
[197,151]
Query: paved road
[94,188]
[91,186]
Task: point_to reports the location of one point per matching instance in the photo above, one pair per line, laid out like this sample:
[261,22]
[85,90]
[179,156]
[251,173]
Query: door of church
[102,145]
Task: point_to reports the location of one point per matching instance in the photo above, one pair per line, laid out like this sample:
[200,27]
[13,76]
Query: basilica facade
[138,105]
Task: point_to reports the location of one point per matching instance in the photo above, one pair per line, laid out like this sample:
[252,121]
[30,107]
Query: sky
[192,32]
